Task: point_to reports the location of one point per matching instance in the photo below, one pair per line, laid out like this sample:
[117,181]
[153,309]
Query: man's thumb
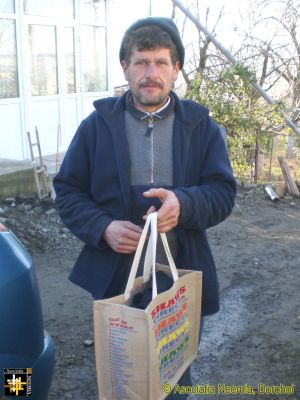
[159,193]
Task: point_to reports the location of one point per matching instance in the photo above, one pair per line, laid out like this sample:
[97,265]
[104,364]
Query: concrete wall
[19,183]
[17,178]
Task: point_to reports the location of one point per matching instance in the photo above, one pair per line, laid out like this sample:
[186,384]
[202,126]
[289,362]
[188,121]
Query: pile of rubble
[36,224]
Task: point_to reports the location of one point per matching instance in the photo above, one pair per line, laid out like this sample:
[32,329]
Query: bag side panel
[174,321]
[121,349]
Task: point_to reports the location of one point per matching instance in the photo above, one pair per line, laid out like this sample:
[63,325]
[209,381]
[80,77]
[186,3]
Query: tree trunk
[256,159]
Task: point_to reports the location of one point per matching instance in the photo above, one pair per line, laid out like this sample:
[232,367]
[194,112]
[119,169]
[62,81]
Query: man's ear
[176,70]
[125,68]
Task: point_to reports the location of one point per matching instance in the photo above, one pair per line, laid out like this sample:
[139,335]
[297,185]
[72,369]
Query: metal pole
[234,61]
[150,8]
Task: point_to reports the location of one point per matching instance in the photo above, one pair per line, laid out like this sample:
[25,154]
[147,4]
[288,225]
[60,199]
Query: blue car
[26,350]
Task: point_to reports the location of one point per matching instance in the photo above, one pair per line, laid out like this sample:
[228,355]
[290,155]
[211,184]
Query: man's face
[150,74]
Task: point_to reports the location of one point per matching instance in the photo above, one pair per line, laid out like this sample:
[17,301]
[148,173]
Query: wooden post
[271,158]
[290,182]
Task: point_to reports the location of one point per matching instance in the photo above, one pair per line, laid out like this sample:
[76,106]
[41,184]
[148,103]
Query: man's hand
[168,214]
[122,236]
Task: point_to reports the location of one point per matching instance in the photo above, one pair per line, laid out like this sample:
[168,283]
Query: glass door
[52,83]
[43,65]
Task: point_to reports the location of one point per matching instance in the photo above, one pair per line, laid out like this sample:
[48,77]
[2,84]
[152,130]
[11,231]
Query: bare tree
[269,47]
[201,54]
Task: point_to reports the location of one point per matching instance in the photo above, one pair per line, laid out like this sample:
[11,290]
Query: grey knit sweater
[152,159]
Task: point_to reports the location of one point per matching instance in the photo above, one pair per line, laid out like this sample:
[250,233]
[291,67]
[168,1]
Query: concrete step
[17,177]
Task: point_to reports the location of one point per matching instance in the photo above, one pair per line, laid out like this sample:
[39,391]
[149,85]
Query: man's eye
[162,62]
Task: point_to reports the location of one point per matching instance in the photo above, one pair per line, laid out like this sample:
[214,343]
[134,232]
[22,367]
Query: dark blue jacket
[93,189]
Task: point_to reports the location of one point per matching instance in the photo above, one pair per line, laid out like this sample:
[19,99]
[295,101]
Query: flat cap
[167,25]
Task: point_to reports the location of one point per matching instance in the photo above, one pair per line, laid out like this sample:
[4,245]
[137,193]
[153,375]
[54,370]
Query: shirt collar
[162,112]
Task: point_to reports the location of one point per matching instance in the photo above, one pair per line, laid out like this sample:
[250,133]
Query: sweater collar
[161,113]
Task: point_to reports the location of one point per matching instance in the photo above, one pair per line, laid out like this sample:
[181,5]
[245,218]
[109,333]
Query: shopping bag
[141,353]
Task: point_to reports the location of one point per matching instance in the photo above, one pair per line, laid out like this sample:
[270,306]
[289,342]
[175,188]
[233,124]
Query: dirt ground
[255,338]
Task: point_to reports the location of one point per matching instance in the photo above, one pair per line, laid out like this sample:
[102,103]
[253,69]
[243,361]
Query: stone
[88,343]
[51,211]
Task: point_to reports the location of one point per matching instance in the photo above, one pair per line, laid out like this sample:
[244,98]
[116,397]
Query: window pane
[7,6]
[94,58]
[70,60]
[53,8]
[43,60]
[9,86]
[93,11]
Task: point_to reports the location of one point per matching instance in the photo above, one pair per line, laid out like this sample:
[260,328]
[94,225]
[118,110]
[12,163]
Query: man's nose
[151,71]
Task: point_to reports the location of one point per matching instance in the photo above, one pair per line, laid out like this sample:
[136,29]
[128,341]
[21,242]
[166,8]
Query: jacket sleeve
[76,207]
[211,201]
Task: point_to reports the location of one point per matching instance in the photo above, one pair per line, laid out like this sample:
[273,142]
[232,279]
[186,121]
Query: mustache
[152,83]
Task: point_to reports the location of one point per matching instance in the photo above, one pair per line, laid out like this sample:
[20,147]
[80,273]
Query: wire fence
[286,147]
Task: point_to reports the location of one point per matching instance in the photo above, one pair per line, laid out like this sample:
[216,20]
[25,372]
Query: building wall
[53,65]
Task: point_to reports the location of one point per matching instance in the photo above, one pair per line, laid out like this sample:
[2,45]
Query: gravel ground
[255,338]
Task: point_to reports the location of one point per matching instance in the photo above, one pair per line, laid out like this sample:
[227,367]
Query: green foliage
[235,104]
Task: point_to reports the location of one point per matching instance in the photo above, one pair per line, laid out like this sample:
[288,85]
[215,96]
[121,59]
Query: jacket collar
[191,115]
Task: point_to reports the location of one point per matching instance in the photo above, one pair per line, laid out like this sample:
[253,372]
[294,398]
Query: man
[143,151]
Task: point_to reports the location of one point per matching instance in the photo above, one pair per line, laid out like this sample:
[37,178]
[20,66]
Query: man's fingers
[123,236]
[168,210]
[152,209]
[131,226]
[131,231]
[166,225]
[126,249]
[168,214]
